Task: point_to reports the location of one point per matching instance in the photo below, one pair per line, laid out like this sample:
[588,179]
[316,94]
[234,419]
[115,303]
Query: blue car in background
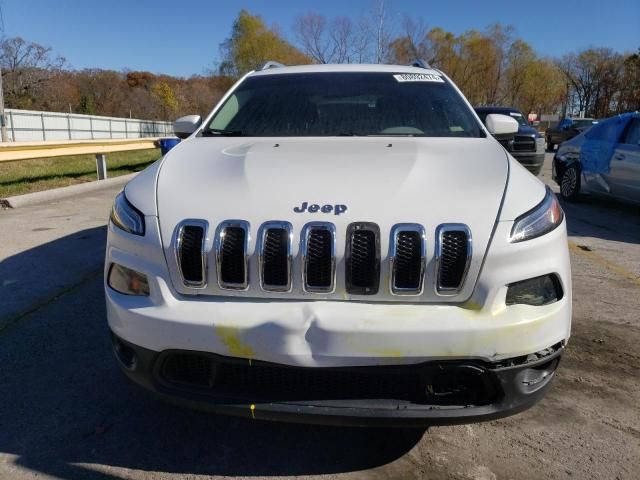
[604,159]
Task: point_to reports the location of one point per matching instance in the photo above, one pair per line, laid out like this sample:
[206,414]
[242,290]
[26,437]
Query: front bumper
[430,393]
[532,161]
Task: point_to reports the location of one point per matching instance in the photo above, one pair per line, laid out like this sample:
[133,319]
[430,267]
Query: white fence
[29,125]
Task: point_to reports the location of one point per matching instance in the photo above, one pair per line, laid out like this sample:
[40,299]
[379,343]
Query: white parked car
[340,244]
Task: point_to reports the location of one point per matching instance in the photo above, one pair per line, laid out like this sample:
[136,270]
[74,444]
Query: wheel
[570,183]
[550,146]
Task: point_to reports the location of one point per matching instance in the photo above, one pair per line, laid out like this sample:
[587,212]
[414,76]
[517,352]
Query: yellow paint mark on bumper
[230,337]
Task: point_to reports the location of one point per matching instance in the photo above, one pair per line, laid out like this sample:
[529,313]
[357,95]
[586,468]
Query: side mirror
[499,124]
[185,126]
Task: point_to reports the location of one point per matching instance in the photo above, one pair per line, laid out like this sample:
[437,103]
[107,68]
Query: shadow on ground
[37,275]
[604,218]
[67,411]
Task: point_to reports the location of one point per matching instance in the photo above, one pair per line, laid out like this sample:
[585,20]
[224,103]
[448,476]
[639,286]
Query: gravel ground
[67,412]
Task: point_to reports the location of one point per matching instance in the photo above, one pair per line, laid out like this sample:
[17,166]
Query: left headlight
[543,218]
[127,217]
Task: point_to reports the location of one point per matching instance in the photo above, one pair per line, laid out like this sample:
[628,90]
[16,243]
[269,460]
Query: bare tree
[380,31]
[26,67]
[415,31]
[592,74]
[311,31]
[342,36]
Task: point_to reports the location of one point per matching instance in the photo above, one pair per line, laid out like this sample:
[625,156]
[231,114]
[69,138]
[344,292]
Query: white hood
[429,181]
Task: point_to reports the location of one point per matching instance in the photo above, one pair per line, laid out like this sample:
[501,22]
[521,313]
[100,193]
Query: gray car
[603,160]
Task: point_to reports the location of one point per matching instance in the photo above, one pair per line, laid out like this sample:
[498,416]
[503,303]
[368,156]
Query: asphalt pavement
[67,412]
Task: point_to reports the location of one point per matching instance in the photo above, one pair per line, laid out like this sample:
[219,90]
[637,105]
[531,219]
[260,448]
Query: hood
[429,181]
[527,130]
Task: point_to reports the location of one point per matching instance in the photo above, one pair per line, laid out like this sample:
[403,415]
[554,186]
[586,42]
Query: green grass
[28,176]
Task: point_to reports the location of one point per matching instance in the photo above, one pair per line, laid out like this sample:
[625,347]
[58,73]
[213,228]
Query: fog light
[536,291]
[127,281]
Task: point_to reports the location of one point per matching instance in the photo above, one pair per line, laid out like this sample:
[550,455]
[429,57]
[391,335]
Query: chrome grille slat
[189,241]
[362,258]
[318,247]
[407,259]
[274,256]
[453,257]
[232,245]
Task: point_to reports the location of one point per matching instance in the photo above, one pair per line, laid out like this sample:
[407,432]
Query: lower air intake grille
[231,248]
[436,383]
[408,259]
[275,251]
[190,255]
[363,258]
[453,254]
[319,254]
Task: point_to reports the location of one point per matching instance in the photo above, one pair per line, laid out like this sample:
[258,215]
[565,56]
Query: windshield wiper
[213,132]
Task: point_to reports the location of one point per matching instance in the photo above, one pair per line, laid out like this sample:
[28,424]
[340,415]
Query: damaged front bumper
[439,392]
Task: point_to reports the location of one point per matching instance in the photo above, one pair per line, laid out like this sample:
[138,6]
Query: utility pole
[3,118]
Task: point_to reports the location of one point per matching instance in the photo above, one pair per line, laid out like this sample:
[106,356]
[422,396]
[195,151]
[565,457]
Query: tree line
[492,67]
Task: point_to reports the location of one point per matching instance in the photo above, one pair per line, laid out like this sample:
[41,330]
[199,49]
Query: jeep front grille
[274,256]
[190,252]
[362,258]
[232,244]
[407,258]
[318,245]
[316,268]
[453,255]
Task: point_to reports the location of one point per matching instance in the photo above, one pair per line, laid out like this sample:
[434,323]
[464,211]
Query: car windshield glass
[519,118]
[344,104]
[583,123]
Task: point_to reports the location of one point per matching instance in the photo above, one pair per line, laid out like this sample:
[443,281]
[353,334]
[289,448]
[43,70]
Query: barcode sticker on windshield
[418,77]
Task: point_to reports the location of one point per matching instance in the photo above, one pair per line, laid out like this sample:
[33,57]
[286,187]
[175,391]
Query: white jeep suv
[340,244]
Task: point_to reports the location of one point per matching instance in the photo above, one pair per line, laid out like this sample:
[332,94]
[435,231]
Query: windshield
[583,123]
[344,103]
[520,118]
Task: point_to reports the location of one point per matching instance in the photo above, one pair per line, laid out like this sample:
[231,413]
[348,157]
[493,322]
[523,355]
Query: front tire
[570,183]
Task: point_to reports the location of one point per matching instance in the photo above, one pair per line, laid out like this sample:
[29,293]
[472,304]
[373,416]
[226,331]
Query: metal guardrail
[13,152]
[31,125]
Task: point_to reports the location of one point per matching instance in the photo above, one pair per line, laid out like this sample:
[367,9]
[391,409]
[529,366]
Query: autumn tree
[252,43]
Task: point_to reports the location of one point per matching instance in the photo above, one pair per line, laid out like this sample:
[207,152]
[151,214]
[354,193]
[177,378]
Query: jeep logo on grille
[314,208]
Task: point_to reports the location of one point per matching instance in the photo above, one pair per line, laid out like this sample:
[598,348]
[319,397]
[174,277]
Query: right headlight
[127,217]
[543,218]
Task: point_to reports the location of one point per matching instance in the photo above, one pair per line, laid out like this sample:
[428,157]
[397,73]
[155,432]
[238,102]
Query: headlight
[538,221]
[126,216]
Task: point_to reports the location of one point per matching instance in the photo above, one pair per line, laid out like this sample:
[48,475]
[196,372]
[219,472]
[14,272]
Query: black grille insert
[524,144]
[276,259]
[438,383]
[453,257]
[319,264]
[362,257]
[408,260]
[232,260]
[190,254]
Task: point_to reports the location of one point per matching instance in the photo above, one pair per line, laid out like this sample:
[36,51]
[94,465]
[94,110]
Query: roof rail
[420,63]
[272,64]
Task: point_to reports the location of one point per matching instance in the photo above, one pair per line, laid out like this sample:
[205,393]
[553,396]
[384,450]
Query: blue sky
[182,37]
